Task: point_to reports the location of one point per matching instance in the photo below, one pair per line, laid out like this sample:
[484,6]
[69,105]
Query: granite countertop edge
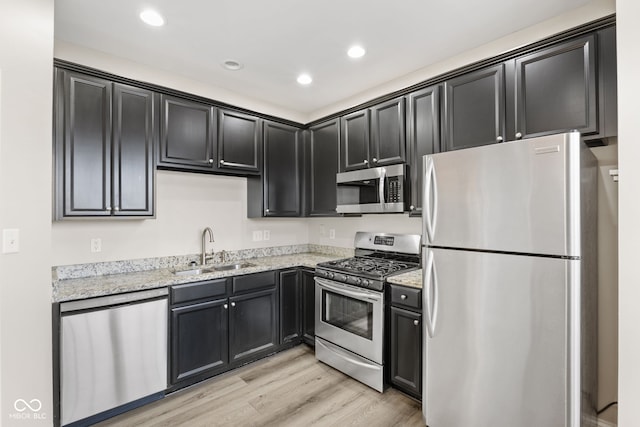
[412,279]
[90,287]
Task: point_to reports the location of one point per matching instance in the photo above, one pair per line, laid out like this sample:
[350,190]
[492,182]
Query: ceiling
[277,40]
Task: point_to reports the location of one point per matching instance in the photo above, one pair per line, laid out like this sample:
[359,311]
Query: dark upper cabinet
[253,324]
[187,135]
[239,142]
[405,352]
[388,133]
[556,90]
[104,141]
[308,306]
[323,149]
[374,136]
[423,137]
[198,339]
[354,140]
[278,191]
[290,306]
[474,109]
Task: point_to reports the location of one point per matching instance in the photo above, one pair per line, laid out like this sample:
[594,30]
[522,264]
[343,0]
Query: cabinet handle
[499,139]
[518,135]
[416,322]
[226,306]
[403,297]
[375,160]
[233,304]
[412,208]
[267,210]
[221,162]
[366,162]
[108,209]
[116,209]
[210,161]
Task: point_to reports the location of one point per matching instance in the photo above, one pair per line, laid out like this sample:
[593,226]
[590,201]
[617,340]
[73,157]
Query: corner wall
[26,53]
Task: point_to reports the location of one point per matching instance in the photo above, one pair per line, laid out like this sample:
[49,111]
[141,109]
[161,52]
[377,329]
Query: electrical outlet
[266,235]
[257,236]
[96,245]
[10,241]
[332,233]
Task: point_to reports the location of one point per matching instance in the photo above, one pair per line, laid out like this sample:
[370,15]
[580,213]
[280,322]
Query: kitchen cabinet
[290,306]
[474,109]
[277,193]
[198,330]
[405,340]
[187,135]
[423,137]
[104,137]
[323,159]
[253,324]
[373,137]
[308,285]
[239,142]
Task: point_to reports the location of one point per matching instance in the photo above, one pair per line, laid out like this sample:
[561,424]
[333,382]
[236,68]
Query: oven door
[350,317]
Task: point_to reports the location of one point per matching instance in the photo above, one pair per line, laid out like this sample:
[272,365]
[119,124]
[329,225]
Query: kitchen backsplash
[76,271]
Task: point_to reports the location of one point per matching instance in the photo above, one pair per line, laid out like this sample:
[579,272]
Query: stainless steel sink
[234,266]
[203,270]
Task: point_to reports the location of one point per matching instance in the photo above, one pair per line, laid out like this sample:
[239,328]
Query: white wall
[26,52]
[629,236]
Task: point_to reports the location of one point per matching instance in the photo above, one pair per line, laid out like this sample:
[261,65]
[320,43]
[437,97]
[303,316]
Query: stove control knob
[358,281]
[366,282]
[330,275]
[341,277]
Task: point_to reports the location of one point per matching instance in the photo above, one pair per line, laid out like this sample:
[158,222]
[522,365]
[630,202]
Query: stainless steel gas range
[350,302]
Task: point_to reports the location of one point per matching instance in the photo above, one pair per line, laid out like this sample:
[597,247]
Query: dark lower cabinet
[290,306]
[199,339]
[405,339]
[308,306]
[253,325]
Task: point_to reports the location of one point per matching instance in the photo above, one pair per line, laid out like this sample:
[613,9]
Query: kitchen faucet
[204,255]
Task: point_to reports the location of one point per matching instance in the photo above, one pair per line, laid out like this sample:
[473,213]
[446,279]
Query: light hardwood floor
[287,389]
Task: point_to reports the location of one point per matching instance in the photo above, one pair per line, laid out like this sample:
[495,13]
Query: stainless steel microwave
[373,190]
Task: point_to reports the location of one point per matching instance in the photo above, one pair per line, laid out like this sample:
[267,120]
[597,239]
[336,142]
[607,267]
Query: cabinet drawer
[252,282]
[409,297]
[198,290]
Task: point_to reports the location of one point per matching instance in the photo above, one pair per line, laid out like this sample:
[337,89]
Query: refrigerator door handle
[430,195]
[431,288]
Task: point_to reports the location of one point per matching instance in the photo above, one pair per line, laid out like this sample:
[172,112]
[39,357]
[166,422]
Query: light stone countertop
[411,279]
[88,287]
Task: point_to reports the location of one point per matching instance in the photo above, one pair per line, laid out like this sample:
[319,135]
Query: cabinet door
[405,364]
[556,90]
[423,125]
[308,307]
[187,133]
[282,170]
[239,142]
[290,307]
[355,141]
[253,325]
[199,334]
[388,133]
[133,143]
[474,109]
[83,145]
[324,148]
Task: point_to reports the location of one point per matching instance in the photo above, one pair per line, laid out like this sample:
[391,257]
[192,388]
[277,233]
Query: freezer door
[498,342]
[521,196]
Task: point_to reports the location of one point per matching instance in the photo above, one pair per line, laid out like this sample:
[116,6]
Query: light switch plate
[257,236]
[332,233]
[96,245]
[10,240]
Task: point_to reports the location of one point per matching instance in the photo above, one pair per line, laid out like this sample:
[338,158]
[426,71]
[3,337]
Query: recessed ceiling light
[304,79]
[356,51]
[231,64]
[151,17]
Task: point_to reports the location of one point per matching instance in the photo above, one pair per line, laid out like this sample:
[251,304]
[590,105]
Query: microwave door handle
[383,178]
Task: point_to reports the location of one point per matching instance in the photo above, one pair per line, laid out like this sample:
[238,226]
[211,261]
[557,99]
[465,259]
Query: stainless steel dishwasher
[113,351]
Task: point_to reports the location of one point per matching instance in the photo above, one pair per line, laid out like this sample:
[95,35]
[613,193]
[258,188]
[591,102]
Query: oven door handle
[342,290]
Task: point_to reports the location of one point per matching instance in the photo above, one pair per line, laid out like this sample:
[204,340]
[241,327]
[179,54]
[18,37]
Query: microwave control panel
[394,190]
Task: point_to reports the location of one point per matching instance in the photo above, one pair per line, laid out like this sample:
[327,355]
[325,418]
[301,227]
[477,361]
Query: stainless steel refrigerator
[510,285]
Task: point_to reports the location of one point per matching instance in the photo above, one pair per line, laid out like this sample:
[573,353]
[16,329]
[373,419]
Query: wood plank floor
[287,389]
